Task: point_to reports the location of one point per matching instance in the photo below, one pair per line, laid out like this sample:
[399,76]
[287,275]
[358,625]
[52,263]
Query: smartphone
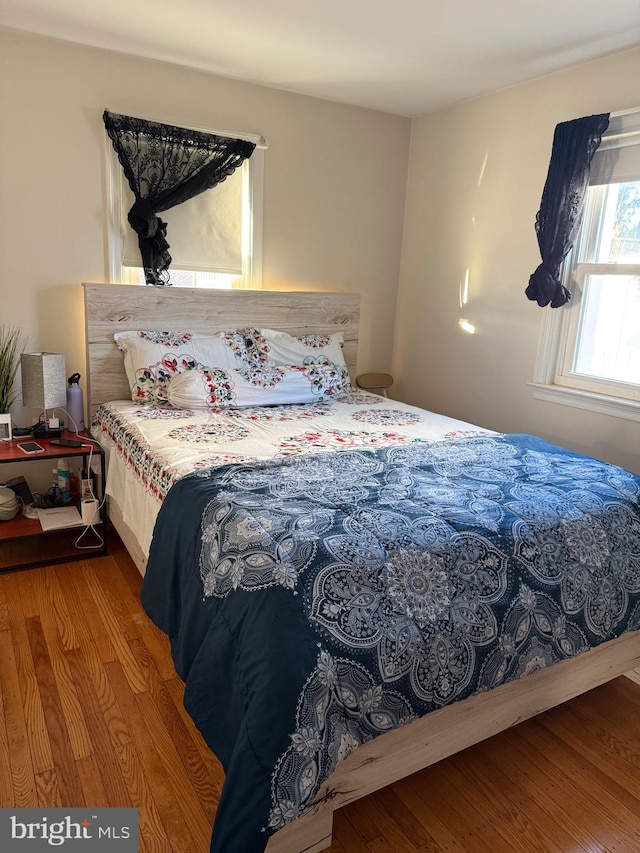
[30,447]
[65,442]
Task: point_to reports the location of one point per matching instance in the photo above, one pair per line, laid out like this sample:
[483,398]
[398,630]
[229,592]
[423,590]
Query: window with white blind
[589,353]
[215,238]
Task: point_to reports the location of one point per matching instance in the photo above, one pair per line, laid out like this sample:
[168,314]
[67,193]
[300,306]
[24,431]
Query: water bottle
[64,481]
[75,404]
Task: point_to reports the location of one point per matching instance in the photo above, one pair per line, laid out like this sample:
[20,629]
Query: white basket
[9,504]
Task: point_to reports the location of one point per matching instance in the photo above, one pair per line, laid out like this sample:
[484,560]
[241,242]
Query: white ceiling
[406,56]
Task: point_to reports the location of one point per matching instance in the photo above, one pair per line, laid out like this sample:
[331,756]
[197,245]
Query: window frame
[554,379]
[252,212]
[565,373]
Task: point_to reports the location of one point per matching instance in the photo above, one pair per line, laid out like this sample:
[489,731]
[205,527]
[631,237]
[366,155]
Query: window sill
[616,407]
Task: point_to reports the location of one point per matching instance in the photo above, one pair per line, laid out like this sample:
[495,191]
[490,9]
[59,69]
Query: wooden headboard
[111,308]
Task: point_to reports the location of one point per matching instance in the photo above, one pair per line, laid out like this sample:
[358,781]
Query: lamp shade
[44,380]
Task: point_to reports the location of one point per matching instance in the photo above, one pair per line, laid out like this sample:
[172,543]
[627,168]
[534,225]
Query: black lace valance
[165,166]
[558,220]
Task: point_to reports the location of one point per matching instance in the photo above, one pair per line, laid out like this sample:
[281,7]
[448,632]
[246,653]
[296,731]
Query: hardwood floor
[92,715]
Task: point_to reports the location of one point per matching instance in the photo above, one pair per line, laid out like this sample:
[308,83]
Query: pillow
[273,347]
[152,358]
[268,385]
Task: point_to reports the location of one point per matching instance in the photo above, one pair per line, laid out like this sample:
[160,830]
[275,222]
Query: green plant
[11,346]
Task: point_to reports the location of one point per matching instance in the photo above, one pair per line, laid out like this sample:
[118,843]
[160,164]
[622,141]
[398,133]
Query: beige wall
[476,175]
[335,181]
[334,194]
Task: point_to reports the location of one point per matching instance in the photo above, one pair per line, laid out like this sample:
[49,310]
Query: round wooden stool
[375,382]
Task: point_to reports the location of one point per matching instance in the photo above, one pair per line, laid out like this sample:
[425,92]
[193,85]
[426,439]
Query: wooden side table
[23,542]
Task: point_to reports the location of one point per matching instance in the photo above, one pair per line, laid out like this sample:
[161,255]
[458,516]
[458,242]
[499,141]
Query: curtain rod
[257,138]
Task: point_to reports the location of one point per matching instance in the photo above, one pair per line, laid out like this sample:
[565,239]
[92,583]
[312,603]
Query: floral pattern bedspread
[160,444]
[314,602]
[151,447]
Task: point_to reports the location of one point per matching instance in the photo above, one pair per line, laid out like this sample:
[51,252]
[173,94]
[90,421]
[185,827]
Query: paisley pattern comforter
[315,602]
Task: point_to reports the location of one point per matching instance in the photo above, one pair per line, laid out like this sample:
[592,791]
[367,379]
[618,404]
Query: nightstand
[23,542]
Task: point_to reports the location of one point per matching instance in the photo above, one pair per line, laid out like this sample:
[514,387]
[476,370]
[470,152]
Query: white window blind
[204,233]
[617,160]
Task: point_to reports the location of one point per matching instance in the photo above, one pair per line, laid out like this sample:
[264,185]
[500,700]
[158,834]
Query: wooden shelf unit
[23,542]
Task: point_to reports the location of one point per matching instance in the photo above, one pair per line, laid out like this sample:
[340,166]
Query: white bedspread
[150,448]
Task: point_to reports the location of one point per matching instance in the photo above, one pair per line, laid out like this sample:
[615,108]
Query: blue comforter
[316,602]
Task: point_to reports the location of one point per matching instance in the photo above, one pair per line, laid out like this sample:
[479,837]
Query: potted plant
[11,346]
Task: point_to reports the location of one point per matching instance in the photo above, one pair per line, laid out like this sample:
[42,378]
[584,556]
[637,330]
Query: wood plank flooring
[91,714]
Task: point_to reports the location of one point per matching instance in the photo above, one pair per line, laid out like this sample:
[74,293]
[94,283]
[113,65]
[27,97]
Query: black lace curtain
[165,166]
[558,220]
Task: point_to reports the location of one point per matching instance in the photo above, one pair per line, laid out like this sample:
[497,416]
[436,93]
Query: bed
[287,804]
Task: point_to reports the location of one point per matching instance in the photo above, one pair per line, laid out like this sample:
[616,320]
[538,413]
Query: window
[589,354]
[215,238]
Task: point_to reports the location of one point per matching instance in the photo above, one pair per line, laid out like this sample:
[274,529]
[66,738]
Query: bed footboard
[438,735]
[309,834]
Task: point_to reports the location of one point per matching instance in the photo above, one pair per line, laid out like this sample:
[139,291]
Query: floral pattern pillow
[153,358]
[267,385]
[274,347]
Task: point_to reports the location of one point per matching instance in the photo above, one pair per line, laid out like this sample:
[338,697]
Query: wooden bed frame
[392,756]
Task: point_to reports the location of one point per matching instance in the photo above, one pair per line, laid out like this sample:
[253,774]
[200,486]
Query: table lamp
[44,386]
